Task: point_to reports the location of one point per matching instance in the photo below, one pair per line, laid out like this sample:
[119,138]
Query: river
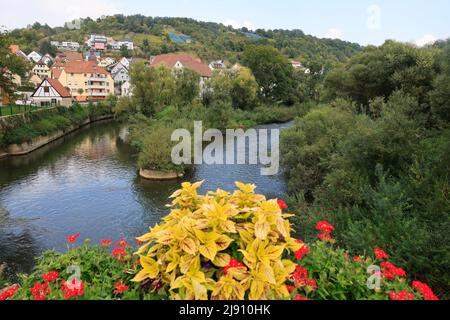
[87,183]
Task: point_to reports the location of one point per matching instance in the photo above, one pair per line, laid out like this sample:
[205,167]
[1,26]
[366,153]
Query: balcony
[97,79]
[96,86]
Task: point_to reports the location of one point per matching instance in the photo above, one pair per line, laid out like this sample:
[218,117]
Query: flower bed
[219,246]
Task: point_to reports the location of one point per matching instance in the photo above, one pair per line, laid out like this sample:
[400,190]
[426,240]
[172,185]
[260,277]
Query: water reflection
[87,183]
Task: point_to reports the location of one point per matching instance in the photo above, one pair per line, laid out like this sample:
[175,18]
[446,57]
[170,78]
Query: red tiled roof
[68,56]
[59,88]
[84,67]
[186,60]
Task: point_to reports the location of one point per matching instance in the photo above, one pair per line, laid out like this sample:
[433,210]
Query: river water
[87,183]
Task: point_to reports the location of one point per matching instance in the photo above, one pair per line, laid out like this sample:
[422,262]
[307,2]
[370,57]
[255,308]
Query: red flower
[73,289]
[40,290]
[119,253]
[325,227]
[290,288]
[120,287]
[106,242]
[301,279]
[380,254]
[425,290]
[281,204]
[121,243]
[233,264]
[50,276]
[358,259]
[324,237]
[9,292]
[72,238]
[390,271]
[139,241]
[299,297]
[402,295]
[302,251]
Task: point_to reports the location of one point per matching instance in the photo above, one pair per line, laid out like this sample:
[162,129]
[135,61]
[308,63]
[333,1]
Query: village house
[106,62]
[35,80]
[34,56]
[51,93]
[67,56]
[180,61]
[15,49]
[97,42]
[42,70]
[66,45]
[117,45]
[125,89]
[217,65]
[120,72]
[86,80]
[47,59]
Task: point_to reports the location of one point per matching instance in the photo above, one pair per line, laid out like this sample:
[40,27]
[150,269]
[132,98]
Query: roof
[84,67]
[186,60]
[57,86]
[68,56]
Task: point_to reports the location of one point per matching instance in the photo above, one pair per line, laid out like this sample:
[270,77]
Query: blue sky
[362,21]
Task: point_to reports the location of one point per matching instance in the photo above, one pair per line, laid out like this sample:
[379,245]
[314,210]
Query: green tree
[272,71]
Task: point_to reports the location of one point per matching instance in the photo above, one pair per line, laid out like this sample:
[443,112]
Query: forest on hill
[210,41]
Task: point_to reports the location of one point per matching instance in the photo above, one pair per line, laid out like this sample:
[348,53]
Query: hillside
[209,40]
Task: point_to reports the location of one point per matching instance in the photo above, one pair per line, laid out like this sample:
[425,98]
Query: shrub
[219,230]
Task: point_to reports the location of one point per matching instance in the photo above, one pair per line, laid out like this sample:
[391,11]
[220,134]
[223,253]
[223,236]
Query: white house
[66,45]
[124,61]
[34,56]
[117,45]
[120,73]
[217,65]
[42,70]
[106,62]
[47,59]
[98,42]
[126,89]
[51,92]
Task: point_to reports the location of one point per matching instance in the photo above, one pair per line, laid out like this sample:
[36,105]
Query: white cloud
[20,13]
[333,33]
[426,39]
[237,25]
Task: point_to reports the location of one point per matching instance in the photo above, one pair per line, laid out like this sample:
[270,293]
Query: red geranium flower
[121,243]
[322,236]
[120,287]
[119,253]
[299,297]
[358,259]
[325,227]
[402,295]
[233,264]
[72,238]
[106,242]
[390,271]
[380,254]
[281,204]
[302,251]
[74,289]
[40,290]
[50,276]
[9,292]
[425,290]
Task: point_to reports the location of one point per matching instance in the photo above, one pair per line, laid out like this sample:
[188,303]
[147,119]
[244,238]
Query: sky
[362,21]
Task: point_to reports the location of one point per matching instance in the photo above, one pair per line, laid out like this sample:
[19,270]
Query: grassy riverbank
[23,128]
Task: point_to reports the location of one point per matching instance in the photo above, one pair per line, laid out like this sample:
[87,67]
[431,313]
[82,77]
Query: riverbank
[25,133]
[40,141]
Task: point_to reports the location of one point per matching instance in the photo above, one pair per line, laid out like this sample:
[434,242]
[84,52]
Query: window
[46,89]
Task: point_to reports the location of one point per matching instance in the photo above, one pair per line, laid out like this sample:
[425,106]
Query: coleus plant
[220,246]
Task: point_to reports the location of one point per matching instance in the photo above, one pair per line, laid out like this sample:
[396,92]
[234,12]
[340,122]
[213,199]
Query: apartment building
[86,80]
